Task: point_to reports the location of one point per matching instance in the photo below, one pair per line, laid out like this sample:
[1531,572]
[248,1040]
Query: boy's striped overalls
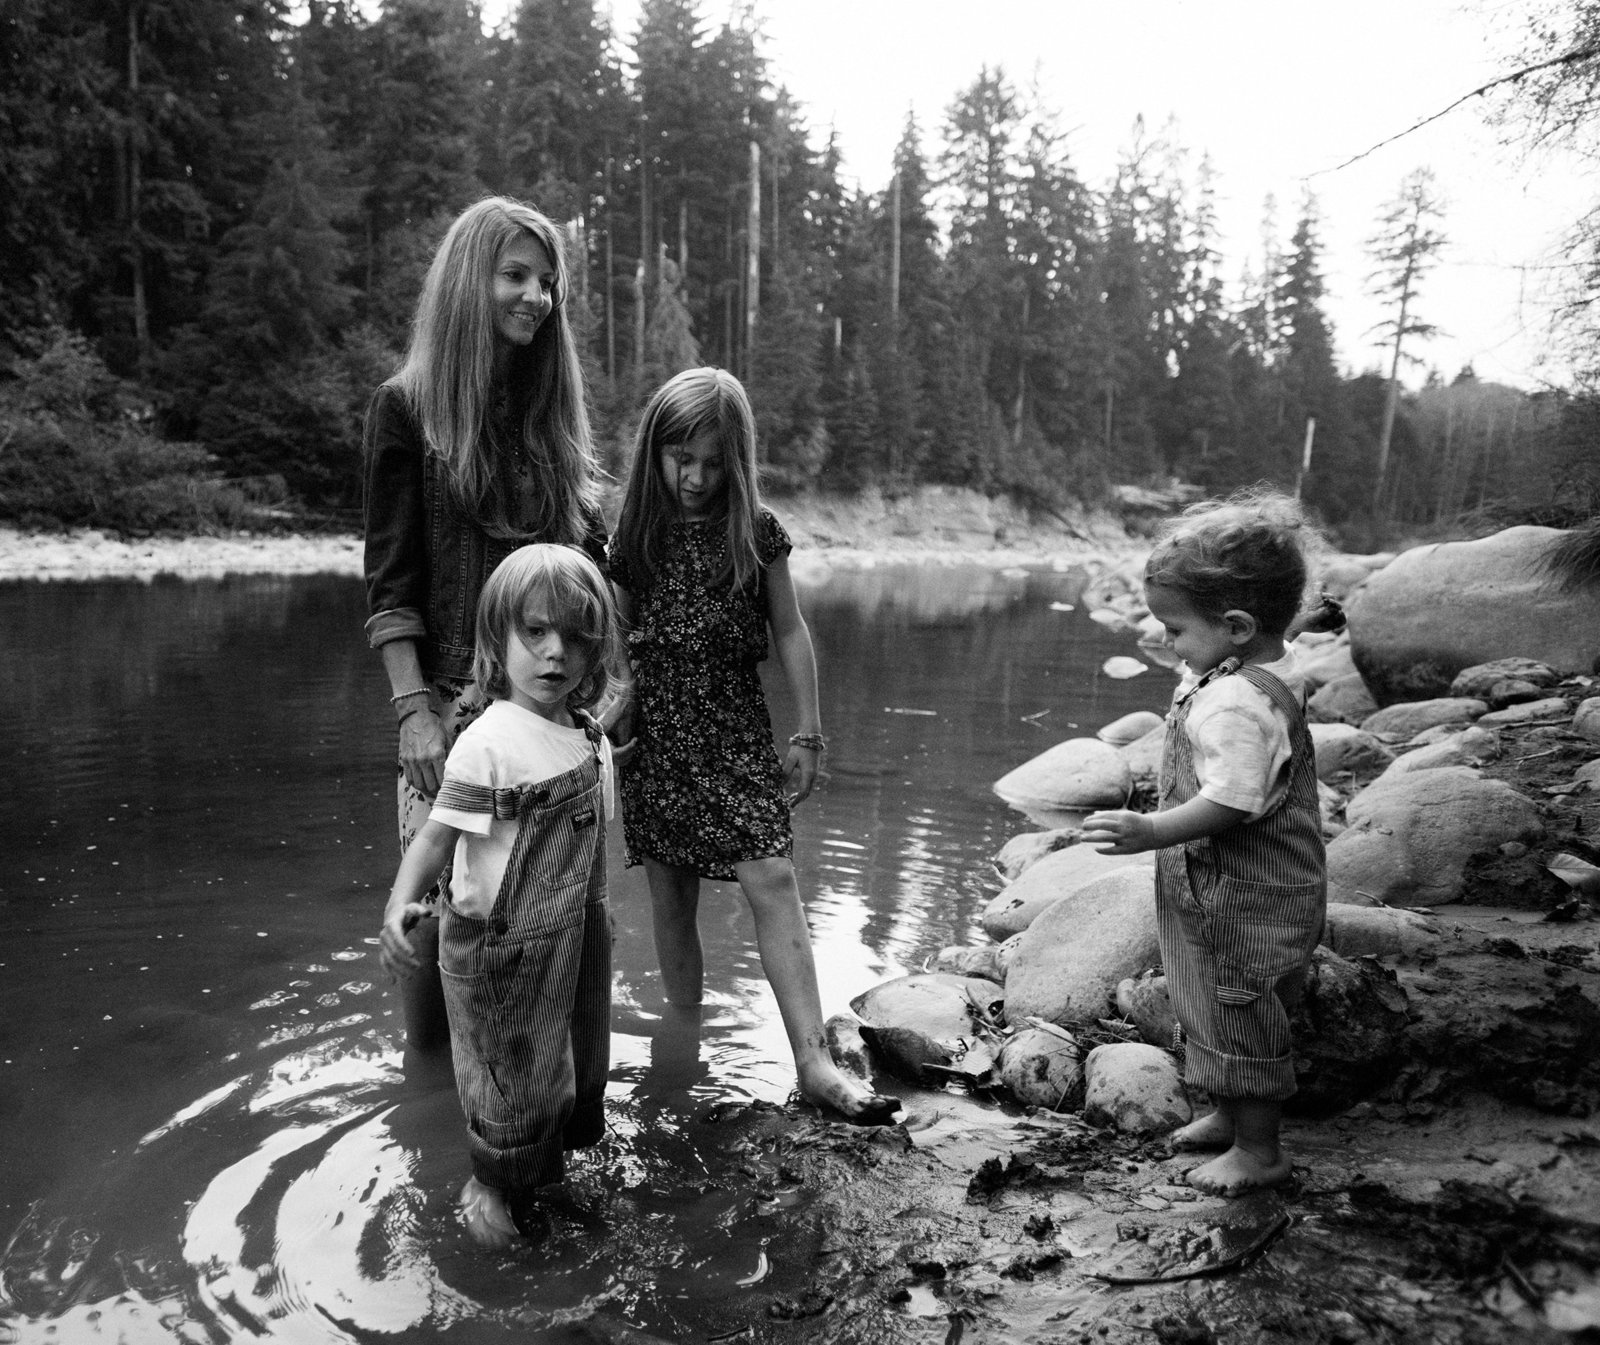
[1239,914]
[529,988]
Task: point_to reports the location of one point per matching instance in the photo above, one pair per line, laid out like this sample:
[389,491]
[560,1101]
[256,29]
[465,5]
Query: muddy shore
[1459,1203]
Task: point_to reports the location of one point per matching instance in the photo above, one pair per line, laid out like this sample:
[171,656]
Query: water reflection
[213,1131]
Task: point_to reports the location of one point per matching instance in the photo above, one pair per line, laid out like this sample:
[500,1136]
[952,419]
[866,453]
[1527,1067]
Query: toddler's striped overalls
[1239,914]
[528,989]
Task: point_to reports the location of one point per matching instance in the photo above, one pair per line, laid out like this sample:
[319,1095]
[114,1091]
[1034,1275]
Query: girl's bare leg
[674,912]
[784,940]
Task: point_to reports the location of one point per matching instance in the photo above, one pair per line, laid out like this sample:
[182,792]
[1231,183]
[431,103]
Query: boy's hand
[1119,833]
[399,959]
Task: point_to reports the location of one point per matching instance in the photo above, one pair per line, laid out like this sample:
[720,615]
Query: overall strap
[1274,688]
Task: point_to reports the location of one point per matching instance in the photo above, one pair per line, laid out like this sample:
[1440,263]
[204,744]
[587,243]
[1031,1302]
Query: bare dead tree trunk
[141,315]
[752,272]
[611,301]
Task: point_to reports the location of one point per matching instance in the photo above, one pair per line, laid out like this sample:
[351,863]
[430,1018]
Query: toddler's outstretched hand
[394,948]
[1119,833]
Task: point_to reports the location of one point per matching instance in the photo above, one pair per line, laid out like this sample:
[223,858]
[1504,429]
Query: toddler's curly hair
[1248,552]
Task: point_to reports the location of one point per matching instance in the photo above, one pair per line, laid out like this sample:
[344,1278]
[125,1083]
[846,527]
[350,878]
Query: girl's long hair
[448,378]
[1248,552]
[579,604]
[696,401]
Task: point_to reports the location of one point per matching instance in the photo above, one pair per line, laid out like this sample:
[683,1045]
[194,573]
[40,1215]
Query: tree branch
[1571,57]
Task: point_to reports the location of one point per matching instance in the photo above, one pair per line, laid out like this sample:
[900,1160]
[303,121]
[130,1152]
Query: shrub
[76,450]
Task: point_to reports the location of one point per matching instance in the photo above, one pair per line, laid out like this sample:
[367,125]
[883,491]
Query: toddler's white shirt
[1240,739]
[504,747]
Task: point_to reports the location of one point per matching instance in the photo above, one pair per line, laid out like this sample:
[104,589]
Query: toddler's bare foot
[1240,1170]
[826,1085]
[487,1215]
[1214,1131]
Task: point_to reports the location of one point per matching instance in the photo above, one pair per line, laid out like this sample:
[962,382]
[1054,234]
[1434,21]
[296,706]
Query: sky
[1278,95]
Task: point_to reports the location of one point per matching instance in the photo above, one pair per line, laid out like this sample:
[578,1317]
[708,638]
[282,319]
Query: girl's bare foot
[826,1085]
[1213,1131]
[487,1216]
[1240,1170]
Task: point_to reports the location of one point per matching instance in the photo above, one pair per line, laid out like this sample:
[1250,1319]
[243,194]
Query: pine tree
[1405,248]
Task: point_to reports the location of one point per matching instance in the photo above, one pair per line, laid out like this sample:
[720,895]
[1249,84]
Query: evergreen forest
[215,216]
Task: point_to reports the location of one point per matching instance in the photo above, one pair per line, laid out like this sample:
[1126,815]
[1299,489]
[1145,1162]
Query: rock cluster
[1067,1010]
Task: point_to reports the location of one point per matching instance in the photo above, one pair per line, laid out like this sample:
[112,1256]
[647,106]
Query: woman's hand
[423,748]
[801,767]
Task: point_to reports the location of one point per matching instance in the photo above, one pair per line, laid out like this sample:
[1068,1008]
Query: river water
[210,1132]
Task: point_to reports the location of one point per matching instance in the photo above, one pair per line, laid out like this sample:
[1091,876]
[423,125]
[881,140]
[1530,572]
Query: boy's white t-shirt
[506,746]
[1240,738]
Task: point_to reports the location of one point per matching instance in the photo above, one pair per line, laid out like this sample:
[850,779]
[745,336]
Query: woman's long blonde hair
[448,377]
[686,405]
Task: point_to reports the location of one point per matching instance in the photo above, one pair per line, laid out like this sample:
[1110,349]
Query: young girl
[703,574]
[479,444]
[1241,887]
[525,937]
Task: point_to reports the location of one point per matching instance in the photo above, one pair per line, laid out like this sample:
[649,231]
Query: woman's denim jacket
[426,560]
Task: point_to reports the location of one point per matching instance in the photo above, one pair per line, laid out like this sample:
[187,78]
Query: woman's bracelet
[407,695]
[815,741]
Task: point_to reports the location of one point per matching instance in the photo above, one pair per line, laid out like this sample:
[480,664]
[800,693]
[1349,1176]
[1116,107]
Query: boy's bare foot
[1213,1131]
[487,1216]
[1240,1170]
[828,1086]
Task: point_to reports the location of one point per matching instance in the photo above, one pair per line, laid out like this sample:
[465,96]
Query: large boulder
[1587,719]
[924,1019]
[1069,961]
[1143,1001]
[1343,749]
[1381,931]
[1076,774]
[1027,846]
[1468,747]
[1324,663]
[1340,575]
[1548,709]
[1134,1087]
[1344,700]
[1410,836]
[1143,756]
[1133,725]
[1409,718]
[1435,610]
[1482,678]
[1045,882]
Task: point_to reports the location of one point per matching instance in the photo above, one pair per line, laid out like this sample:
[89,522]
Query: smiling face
[696,475]
[1198,638]
[544,664]
[524,285]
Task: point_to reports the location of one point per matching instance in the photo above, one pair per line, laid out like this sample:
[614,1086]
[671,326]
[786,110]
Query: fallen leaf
[1576,873]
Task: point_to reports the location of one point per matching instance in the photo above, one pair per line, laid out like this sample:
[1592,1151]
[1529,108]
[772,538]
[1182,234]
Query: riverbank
[933,521]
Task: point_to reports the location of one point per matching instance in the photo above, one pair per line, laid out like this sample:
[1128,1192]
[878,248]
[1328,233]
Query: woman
[478,445]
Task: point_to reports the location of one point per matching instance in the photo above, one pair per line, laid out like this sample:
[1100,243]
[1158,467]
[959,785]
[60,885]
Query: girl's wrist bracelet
[407,695]
[815,741]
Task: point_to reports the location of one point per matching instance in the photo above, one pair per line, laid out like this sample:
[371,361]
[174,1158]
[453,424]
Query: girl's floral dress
[705,788]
